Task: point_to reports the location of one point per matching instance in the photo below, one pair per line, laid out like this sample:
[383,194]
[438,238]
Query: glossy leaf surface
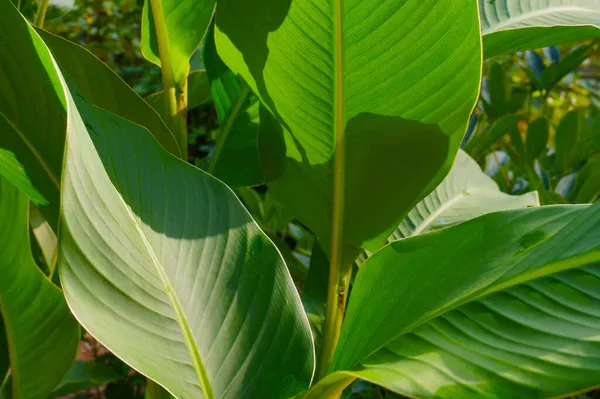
[355,74]
[515,25]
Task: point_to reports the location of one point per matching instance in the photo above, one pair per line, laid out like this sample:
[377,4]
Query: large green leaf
[384,85]
[164,266]
[32,113]
[516,25]
[42,334]
[183,24]
[505,306]
[104,88]
[466,193]
[235,159]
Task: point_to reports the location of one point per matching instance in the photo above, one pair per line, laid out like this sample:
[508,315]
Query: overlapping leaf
[516,25]
[505,307]
[155,253]
[355,74]
[183,24]
[42,334]
[465,193]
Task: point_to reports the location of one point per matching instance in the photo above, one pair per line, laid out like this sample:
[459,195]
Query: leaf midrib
[199,367]
[532,14]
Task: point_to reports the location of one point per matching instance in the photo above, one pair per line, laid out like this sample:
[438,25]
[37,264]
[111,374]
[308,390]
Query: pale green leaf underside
[479,261]
[516,25]
[465,193]
[400,76]
[43,336]
[163,265]
[186,22]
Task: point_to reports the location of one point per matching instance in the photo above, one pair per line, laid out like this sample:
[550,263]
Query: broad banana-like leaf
[163,265]
[235,159]
[383,85]
[32,114]
[198,93]
[42,335]
[466,193]
[505,306]
[516,25]
[105,89]
[180,26]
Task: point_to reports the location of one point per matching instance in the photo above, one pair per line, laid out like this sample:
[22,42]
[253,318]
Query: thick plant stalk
[41,14]
[175,96]
[339,274]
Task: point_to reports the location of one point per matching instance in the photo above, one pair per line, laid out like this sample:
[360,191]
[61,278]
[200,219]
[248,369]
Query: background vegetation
[537,127]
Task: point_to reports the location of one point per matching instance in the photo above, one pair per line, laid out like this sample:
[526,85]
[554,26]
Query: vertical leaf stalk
[175,95]
[339,274]
[40,17]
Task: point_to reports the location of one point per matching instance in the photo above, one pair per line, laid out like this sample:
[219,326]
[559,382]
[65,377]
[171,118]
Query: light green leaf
[33,132]
[154,253]
[391,84]
[466,193]
[235,159]
[45,237]
[505,307]
[515,25]
[42,334]
[183,25]
[105,89]
[198,93]
[85,375]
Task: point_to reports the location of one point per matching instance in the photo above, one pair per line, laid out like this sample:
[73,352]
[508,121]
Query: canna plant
[425,279]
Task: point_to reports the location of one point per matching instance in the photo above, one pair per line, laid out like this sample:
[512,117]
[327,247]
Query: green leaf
[85,375]
[4,359]
[43,336]
[105,89]
[499,90]
[552,75]
[481,144]
[33,132]
[184,24]
[314,294]
[385,86]
[466,193]
[537,138]
[505,306]
[572,130]
[198,93]
[45,237]
[236,161]
[162,264]
[509,26]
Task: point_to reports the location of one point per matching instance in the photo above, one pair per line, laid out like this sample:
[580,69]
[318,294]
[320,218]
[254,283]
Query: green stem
[227,124]
[175,96]
[339,273]
[41,14]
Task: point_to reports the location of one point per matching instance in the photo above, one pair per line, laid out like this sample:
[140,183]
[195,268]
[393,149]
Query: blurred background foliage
[536,127]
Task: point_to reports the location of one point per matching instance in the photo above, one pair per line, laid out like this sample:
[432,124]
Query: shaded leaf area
[318,82]
[515,25]
[105,89]
[171,259]
[41,334]
[84,375]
